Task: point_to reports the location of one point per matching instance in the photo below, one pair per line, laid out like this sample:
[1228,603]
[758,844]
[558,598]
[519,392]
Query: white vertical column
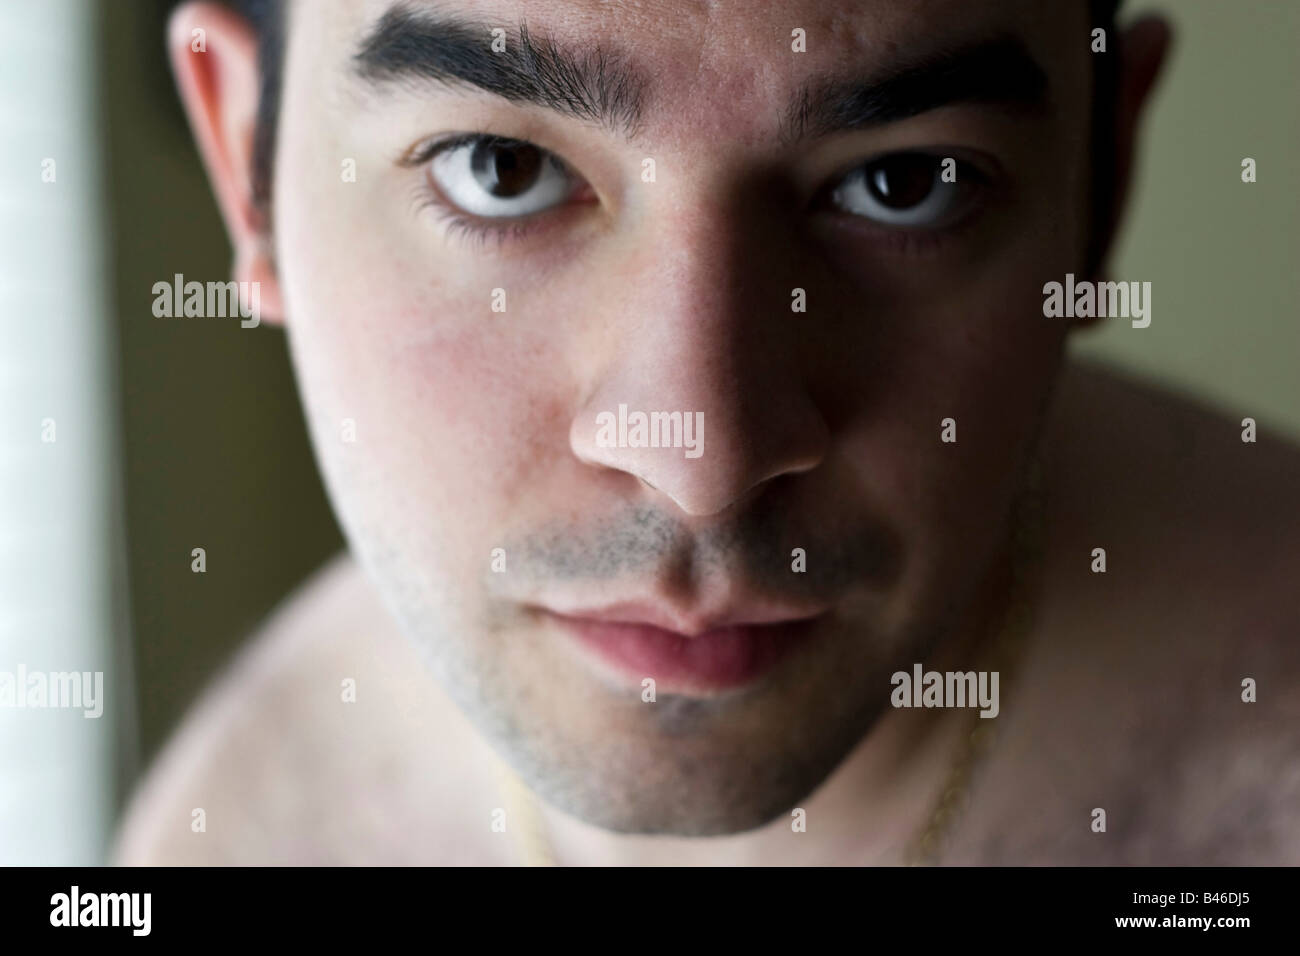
[58,435]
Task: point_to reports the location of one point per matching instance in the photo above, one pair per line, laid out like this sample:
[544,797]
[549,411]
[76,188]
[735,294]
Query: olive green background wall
[216,454]
[215,450]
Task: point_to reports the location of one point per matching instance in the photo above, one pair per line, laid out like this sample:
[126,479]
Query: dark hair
[267,19]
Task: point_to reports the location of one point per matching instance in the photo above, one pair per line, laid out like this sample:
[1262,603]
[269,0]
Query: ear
[218,82]
[1143,50]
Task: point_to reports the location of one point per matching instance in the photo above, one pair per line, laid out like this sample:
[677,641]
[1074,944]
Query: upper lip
[685,621]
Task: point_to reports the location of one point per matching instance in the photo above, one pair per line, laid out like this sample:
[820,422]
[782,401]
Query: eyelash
[480,233]
[475,232]
[904,240]
[457,225]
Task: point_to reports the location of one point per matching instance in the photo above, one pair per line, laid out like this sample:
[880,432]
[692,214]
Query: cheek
[976,350]
[447,396]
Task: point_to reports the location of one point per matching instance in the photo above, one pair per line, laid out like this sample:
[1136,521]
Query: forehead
[699,56]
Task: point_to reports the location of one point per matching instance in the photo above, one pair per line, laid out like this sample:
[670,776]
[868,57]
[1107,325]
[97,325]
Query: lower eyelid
[911,239]
[481,234]
[457,224]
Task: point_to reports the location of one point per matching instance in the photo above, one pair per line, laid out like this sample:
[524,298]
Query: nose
[702,396]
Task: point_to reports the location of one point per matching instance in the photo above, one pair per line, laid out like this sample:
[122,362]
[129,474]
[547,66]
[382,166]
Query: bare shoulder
[323,742]
[1107,423]
[1164,687]
[1194,511]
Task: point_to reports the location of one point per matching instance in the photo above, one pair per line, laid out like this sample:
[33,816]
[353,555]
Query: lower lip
[726,658]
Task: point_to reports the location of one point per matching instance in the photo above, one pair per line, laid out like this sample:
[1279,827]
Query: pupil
[505,169]
[902,182]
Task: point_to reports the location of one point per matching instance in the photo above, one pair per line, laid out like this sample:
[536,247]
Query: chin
[623,807]
[694,785]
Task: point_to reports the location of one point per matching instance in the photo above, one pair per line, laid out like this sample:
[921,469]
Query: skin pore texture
[474,430]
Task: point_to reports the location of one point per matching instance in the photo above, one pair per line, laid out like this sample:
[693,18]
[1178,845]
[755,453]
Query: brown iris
[901,182]
[506,168]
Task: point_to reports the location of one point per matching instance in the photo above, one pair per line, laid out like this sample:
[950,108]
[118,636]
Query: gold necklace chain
[1007,647]
[523,817]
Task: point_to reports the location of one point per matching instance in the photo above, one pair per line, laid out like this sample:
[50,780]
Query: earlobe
[213,53]
[255,263]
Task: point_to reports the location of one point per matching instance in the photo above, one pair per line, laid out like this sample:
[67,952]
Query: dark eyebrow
[586,83]
[999,71]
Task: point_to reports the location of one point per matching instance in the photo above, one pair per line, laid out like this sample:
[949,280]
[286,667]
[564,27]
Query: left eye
[497,178]
[906,189]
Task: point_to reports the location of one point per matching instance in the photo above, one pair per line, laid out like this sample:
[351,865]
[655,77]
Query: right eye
[497,178]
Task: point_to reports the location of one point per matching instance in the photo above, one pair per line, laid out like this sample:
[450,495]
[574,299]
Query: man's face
[670,286]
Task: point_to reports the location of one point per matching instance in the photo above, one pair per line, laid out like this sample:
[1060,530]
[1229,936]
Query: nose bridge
[701,396]
[709,295]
